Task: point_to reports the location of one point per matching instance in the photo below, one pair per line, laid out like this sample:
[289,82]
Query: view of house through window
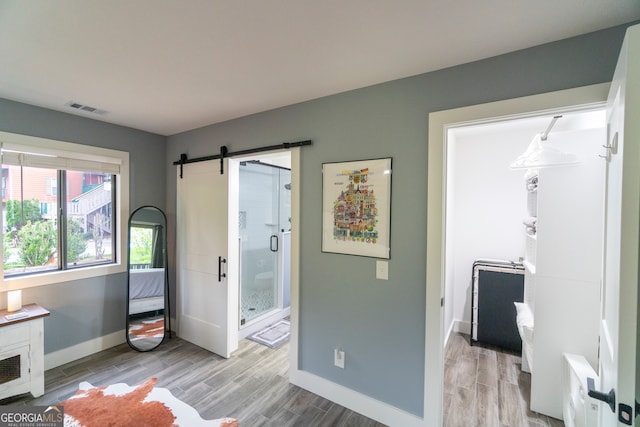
[36,200]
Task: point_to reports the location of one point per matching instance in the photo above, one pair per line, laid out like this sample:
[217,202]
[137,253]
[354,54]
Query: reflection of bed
[146,290]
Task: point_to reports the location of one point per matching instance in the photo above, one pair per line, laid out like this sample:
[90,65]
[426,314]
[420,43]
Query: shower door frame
[278,311]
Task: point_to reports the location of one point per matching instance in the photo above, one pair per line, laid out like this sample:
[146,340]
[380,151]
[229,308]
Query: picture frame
[356,207]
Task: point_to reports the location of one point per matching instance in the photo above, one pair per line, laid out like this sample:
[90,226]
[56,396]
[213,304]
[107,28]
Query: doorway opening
[264,240]
[487,201]
[438,311]
[543,222]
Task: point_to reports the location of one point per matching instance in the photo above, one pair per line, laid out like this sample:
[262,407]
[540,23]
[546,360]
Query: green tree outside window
[37,243]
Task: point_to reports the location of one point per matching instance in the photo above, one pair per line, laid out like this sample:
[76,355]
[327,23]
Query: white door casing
[206,293]
[618,328]
[552,103]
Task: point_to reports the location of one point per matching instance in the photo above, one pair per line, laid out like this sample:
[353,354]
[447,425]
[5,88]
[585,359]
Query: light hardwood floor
[485,387]
[252,385]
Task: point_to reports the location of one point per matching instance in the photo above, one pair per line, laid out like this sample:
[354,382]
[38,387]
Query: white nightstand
[22,351]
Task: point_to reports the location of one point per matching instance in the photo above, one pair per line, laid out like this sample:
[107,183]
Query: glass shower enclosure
[264,233]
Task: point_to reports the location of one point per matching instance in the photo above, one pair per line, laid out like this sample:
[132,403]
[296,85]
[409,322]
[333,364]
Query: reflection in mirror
[147,308]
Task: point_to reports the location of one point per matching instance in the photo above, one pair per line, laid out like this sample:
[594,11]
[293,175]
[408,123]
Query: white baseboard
[78,351]
[447,334]
[461,326]
[358,402]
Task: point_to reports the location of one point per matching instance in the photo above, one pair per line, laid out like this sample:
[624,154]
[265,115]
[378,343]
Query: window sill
[51,277]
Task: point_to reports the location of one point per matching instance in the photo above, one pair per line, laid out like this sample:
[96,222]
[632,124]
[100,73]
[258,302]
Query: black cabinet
[496,286]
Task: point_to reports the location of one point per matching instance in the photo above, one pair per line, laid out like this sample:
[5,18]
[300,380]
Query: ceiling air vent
[86,108]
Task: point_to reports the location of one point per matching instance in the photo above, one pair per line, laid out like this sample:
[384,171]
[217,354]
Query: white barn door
[206,302]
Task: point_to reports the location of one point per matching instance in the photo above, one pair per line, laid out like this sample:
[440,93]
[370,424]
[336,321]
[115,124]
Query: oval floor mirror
[148,316]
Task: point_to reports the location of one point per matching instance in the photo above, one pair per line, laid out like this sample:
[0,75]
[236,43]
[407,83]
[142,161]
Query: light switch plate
[382,270]
[338,358]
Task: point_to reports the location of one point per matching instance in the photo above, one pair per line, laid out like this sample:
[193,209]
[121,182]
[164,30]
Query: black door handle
[220,273]
[271,246]
[609,398]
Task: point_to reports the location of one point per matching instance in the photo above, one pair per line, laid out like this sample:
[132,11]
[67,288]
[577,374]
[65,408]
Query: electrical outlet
[338,358]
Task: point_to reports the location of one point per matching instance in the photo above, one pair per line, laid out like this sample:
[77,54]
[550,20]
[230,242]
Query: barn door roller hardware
[225,153]
[183,158]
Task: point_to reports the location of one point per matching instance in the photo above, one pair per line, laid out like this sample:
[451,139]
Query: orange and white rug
[153,328]
[119,405]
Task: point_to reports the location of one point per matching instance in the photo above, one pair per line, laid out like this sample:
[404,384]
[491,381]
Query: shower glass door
[265,211]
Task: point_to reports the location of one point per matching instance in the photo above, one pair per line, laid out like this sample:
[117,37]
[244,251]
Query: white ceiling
[168,66]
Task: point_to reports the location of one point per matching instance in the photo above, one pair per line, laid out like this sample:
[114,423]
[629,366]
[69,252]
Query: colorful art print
[356,204]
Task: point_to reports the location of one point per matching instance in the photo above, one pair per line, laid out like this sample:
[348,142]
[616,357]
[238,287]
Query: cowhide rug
[119,405]
[147,329]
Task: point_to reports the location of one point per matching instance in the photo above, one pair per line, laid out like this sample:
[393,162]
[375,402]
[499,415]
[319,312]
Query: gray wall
[380,324]
[85,309]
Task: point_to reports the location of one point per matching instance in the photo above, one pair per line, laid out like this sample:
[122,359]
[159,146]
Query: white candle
[14,300]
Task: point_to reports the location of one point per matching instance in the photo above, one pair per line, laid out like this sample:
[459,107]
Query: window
[30,235]
[62,206]
[52,186]
[140,246]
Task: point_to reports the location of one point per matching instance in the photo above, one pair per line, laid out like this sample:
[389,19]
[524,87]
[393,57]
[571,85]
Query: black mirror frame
[167,306]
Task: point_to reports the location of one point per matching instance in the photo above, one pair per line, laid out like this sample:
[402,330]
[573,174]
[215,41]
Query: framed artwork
[356,207]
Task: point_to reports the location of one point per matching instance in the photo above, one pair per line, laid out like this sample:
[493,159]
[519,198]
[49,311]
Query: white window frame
[52,183]
[82,153]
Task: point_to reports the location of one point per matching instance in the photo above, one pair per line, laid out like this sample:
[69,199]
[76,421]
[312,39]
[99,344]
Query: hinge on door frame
[442,302]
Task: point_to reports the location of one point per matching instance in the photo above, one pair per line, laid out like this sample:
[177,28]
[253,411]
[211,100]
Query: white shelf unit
[563,268]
